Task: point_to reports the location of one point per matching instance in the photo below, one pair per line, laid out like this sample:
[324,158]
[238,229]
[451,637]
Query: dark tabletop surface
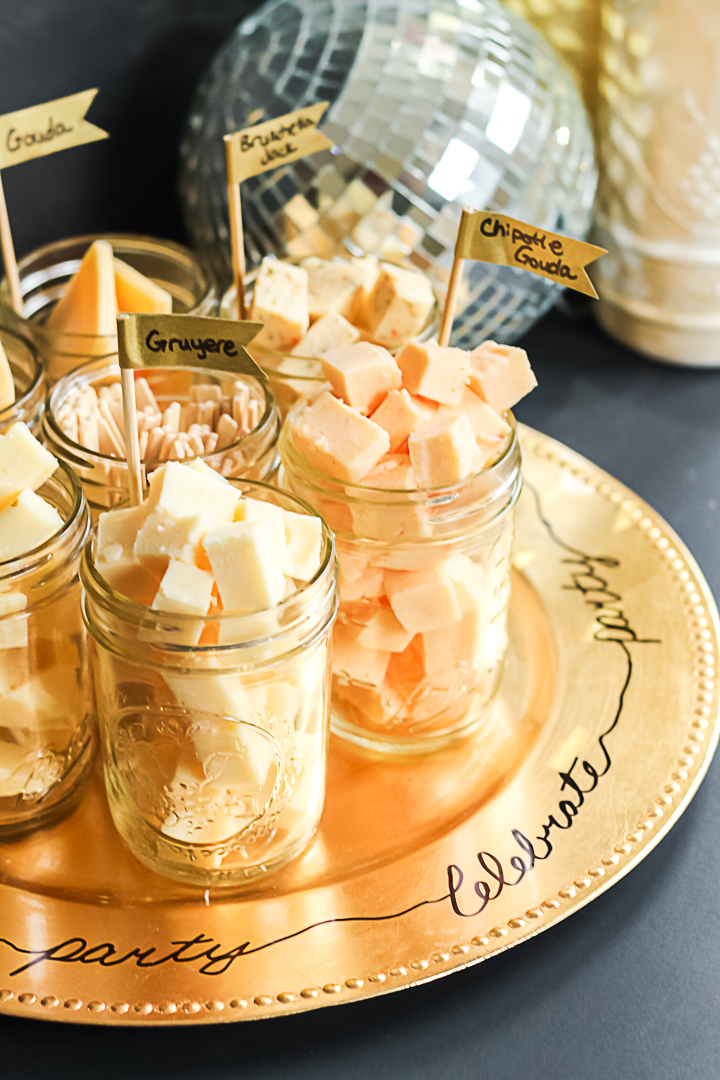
[629,987]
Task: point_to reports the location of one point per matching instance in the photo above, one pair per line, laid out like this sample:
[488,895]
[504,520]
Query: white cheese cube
[24,463]
[257,510]
[303,535]
[182,491]
[163,536]
[116,534]
[280,301]
[7,383]
[401,302]
[204,469]
[331,287]
[184,590]
[246,564]
[330,332]
[26,524]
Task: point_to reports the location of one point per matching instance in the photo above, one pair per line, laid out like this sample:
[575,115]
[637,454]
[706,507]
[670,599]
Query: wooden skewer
[237,244]
[448,313]
[132,443]
[8,253]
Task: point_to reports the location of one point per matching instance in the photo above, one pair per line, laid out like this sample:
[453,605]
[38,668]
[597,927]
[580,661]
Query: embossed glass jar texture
[29,380]
[46,273]
[252,456]
[215,754]
[47,713]
[424,592]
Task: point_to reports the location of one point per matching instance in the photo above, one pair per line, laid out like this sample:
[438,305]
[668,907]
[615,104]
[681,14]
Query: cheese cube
[246,565]
[490,429]
[351,662]
[422,599]
[89,304]
[221,695]
[204,469]
[335,438]
[378,706]
[182,491]
[280,301]
[116,534]
[330,332]
[401,303]
[24,463]
[184,590]
[256,510]
[500,375]
[406,669]
[331,287]
[361,375]
[434,371]
[26,524]
[399,414]
[383,521]
[366,273]
[359,578]
[136,293]
[163,536]
[7,383]
[303,536]
[444,451]
[392,473]
[384,632]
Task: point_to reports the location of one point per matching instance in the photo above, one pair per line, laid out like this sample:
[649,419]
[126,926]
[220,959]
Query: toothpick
[8,253]
[450,302]
[132,444]
[237,240]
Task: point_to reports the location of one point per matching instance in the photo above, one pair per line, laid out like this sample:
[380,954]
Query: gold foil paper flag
[33,133]
[147,341]
[257,149]
[45,129]
[494,238]
[275,142]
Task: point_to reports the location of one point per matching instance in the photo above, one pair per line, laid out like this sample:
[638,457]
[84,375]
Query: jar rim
[264,425]
[15,567]
[135,612]
[360,491]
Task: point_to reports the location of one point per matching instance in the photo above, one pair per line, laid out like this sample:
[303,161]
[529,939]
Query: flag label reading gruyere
[147,341]
[45,129]
[494,238]
[275,142]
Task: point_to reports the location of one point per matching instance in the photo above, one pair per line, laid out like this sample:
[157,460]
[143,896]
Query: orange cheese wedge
[7,384]
[89,305]
[138,294]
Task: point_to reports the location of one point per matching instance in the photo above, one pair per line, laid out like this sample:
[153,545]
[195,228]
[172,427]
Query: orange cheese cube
[385,632]
[434,371]
[490,429]
[89,306]
[280,301]
[444,451]
[359,579]
[422,599]
[399,414]
[361,375]
[366,272]
[330,332]
[378,520]
[355,663]
[136,293]
[335,438]
[500,375]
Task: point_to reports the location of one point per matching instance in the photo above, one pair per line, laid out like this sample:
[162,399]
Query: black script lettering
[15,139]
[279,154]
[556,269]
[556,247]
[498,229]
[149,344]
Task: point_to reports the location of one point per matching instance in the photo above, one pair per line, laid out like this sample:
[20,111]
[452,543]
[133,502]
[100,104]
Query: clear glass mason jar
[46,273]
[27,373]
[252,456]
[424,592]
[215,754]
[47,712]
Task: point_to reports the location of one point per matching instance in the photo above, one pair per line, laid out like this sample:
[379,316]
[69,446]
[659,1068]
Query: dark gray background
[628,988]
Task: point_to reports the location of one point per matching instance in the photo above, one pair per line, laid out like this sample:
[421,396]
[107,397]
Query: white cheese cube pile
[312,309]
[26,519]
[197,546]
[7,383]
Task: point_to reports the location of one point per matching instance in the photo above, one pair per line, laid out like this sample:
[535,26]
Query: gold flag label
[147,341]
[45,129]
[275,142]
[494,238]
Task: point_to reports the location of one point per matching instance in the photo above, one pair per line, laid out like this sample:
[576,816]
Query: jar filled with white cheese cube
[313,306]
[47,715]
[414,462]
[230,422]
[211,608]
[22,382]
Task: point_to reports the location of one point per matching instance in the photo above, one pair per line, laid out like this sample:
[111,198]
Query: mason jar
[29,380]
[46,273]
[47,714]
[252,456]
[424,591]
[215,754]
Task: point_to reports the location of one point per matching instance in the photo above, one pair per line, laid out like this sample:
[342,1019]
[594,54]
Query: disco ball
[434,105]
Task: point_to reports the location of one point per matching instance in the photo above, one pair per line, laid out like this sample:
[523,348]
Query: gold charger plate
[605,723]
